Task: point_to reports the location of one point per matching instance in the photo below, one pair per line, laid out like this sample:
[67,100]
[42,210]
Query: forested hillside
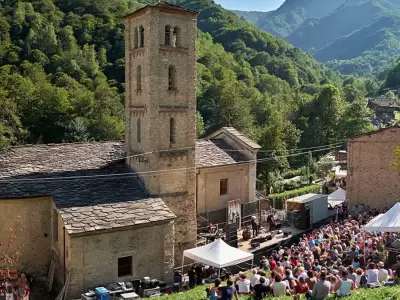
[351,36]
[62,78]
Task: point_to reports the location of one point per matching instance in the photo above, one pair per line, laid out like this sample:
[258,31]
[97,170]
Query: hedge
[276,199]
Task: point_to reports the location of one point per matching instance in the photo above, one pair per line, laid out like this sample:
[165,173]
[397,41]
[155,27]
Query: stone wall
[167,167]
[371,179]
[208,187]
[35,219]
[93,259]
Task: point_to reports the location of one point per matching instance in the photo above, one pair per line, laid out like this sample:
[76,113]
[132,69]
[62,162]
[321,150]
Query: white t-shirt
[383,275]
[254,279]
[372,276]
[243,285]
[302,275]
[279,288]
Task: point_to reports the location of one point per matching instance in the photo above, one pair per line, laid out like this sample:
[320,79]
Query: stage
[276,241]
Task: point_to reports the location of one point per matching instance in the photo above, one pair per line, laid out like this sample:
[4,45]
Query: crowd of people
[18,291]
[335,259]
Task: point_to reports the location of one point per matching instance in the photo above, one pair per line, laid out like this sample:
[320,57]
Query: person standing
[254,226]
[27,292]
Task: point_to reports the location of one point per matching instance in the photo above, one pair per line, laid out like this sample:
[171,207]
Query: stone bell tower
[160,55]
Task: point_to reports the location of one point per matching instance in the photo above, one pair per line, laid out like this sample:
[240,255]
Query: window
[167,35]
[125,266]
[139,78]
[138,130]
[136,38]
[176,37]
[223,186]
[140,37]
[55,225]
[172,130]
[171,78]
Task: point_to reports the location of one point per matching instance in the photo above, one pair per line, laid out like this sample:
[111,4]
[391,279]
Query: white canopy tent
[388,222]
[337,197]
[218,254]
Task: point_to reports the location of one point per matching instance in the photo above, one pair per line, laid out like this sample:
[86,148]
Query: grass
[386,293]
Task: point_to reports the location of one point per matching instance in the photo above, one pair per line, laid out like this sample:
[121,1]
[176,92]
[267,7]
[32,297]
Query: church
[113,211]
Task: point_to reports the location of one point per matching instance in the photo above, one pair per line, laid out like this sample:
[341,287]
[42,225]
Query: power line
[157,172]
[334,145]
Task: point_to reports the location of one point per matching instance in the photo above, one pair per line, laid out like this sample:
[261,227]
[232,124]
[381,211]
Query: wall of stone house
[93,259]
[371,179]
[58,249]
[35,239]
[208,187]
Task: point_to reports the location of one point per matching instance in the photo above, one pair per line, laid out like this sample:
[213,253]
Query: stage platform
[276,241]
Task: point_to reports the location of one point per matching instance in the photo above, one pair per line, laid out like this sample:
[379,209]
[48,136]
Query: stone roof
[56,158]
[235,135]
[91,188]
[115,215]
[216,152]
[384,102]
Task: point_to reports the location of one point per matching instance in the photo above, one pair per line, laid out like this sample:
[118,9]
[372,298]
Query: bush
[292,173]
[276,199]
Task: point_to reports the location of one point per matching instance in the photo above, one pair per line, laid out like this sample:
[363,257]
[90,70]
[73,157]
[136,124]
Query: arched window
[176,37]
[139,78]
[172,78]
[135,38]
[167,35]
[140,37]
[172,130]
[138,128]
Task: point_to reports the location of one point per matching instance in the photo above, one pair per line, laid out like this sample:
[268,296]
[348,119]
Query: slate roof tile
[216,153]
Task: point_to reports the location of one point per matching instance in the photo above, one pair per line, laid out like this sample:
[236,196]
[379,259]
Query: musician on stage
[254,226]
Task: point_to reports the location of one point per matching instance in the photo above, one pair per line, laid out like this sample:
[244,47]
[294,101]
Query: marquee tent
[218,254]
[388,222]
[337,197]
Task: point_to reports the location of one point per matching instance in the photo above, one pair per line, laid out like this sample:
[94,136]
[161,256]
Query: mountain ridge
[352,36]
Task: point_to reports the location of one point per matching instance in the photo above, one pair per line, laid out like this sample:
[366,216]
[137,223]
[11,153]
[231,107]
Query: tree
[199,125]
[324,166]
[76,132]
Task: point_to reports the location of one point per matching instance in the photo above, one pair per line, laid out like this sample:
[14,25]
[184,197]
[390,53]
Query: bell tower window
[176,37]
[140,35]
[138,132]
[172,78]
[172,130]
[139,78]
[167,35]
[136,38]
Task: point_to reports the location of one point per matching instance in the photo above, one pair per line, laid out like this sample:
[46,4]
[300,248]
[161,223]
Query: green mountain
[352,36]
[62,78]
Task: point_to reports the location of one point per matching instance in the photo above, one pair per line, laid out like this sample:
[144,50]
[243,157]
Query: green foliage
[381,293]
[324,166]
[277,198]
[292,173]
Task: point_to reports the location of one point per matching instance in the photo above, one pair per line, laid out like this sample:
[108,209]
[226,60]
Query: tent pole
[252,263]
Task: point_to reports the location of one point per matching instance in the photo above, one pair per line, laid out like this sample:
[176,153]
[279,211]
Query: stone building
[371,180]
[226,170]
[111,211]
[383,108]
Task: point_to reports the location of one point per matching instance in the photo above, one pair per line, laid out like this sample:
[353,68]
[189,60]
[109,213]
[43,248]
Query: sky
[249,5]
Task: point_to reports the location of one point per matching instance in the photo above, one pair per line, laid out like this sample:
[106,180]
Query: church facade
[108,212]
